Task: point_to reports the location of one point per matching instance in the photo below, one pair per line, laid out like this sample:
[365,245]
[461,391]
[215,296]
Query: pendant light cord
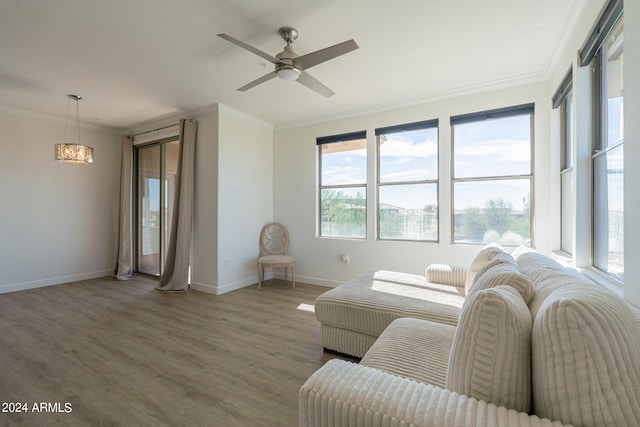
[78,121]
[66,125]
[76,98]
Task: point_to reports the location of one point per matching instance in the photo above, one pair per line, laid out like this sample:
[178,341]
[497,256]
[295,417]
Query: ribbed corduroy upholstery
[585,348]
[546,276]
[503,270]
[484,256]
[454,275]
[413,348]
[491,353]
[586,358]
[342,394]
[368,303]
[346,341]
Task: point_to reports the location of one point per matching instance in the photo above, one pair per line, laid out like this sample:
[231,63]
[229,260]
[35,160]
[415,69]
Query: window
[492,176]
[408,181]
[343,185]
[603,52]
[563,99]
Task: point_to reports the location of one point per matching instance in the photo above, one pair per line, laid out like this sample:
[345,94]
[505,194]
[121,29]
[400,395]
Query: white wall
[582,100]
[295,189]
[58,222]
[204,252]
[245,195]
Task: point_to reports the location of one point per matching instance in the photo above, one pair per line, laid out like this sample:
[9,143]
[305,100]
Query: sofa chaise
[354,314]
[553,350]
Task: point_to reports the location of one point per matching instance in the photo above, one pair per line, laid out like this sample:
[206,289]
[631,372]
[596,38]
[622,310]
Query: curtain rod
[156,130]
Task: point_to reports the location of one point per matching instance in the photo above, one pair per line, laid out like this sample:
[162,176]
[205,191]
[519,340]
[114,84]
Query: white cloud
[404,149]
[335,175]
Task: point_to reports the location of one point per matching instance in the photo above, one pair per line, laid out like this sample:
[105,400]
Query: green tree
[472,225]
[343,215]
[497,215]
[522,224]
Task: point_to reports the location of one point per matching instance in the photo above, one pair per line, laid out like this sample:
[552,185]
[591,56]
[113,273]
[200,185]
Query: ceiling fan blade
[250,48]
[256,82]
[322,55]
[309,81]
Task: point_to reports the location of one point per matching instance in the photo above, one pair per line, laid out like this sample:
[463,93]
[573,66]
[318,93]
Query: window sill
[596,276]
[603,279]
[357,239]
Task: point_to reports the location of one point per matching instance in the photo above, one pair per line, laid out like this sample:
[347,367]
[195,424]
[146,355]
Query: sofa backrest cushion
[503,270]
[491,354]
[547,276]
[586,357]
[485,255]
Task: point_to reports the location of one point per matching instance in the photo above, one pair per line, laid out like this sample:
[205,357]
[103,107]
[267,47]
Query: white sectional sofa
[354,314]
[535,344]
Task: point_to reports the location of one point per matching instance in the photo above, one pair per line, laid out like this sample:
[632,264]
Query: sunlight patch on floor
[307,307]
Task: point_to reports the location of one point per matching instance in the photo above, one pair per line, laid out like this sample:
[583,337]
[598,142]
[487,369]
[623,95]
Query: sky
[482,149]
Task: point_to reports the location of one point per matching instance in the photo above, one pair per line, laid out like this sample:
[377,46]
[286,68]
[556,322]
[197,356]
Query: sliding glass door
[156,167]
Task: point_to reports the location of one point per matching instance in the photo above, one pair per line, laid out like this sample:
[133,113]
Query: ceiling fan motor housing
[289,34]
[287,68]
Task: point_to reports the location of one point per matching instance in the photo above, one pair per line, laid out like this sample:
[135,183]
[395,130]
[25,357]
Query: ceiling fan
[290,66]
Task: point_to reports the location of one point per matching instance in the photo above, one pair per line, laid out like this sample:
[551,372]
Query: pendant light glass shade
[71,151]
[74,153]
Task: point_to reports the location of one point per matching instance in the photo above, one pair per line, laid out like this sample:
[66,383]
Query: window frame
[562,99]
[611,17]
[395,129]
[344,137]
[516,110]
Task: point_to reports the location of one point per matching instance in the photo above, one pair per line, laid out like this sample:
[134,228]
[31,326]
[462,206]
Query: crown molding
[519,80]
[570,21]
[172,118]
[53,119]
[243,116]
[155,123]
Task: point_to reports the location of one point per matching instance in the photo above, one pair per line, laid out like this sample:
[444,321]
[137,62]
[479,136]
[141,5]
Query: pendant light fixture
[71,151]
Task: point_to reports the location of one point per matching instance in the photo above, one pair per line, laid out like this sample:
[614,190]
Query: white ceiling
[135,60]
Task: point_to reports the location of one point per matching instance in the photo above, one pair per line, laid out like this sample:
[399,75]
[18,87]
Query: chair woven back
[274,239]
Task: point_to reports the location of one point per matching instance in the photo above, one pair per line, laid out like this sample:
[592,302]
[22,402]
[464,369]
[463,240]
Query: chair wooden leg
[285,274]
[260,275]
[293,275]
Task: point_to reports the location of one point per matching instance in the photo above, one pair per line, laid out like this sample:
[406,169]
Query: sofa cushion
[586,356]
[368,303]
[546,276]
[413,348]
[491,353]
[502,258]
[502,270]
[481,259]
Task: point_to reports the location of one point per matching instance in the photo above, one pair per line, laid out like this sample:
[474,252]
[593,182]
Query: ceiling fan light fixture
[287,72]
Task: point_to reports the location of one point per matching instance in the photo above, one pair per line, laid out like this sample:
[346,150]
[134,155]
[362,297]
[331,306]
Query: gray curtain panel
[175,277]
[124,261]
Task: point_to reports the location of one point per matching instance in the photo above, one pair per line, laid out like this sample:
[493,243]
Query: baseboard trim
[251,281]
[309,280]
[203,287]
[200,287]
[228,287]
[52,281]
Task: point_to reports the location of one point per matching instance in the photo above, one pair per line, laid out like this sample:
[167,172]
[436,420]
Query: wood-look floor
[122,353]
